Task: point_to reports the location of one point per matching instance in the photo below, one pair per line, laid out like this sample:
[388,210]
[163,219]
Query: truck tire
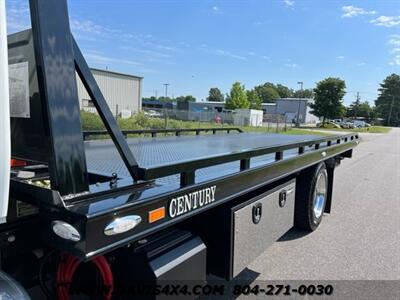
[311,195]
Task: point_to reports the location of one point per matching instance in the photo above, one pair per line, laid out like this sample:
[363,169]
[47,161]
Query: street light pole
[298,109]
[166,89]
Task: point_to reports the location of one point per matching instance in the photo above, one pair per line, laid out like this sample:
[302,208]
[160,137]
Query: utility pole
[391,104]
[390,111]
[166,89]
[156,93]
[298,108]
[358,98]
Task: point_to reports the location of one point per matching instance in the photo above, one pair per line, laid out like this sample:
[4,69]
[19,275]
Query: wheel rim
[319,196]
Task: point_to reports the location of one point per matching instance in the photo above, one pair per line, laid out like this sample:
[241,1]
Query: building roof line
[116,73]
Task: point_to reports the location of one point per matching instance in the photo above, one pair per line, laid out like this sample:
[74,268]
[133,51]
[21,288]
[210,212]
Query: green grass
[372,129]
[92,121]
[288,130]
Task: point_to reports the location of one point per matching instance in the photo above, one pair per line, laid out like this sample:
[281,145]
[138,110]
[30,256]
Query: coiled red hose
[67,268]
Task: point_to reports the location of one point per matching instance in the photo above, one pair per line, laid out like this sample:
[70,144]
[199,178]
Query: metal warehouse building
[123,92]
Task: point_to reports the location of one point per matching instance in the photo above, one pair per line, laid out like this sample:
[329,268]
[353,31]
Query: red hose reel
[67,267]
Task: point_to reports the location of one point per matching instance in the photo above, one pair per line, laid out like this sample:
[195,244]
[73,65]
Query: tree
[353,109]
[237,97]
[388,102]
[284,91]
[328,100]
[307,93]
[267,93]
[188,98]
[166,99]
[364,110]
[215,95]
[359,109]
[254,99]
[152,98]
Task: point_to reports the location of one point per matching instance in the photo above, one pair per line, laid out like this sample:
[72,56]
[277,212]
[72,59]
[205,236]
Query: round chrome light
[66,231]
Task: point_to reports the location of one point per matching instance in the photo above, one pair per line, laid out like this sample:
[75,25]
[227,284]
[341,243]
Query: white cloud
[251,53]
[386,21]
[266,57]
[219,52]
[394,42]
[229,54]
[361,64]
[395,61]
[216,10]
[150,54]
[99,58]
[352,11]
[340,57]
[86,26]
[18,17]
[289,3]
[291,65]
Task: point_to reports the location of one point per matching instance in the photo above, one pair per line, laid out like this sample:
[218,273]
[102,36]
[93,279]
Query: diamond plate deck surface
[103,157]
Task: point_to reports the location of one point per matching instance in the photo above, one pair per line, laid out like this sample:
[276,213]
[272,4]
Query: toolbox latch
[282,198]
[257,212]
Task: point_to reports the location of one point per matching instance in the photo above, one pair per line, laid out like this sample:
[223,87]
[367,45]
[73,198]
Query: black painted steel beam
[59,94]
[104,111]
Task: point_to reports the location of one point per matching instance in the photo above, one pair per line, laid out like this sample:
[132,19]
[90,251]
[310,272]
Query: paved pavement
[360,240]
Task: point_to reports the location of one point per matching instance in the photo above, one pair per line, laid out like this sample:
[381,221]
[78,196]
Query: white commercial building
[290,108]
[123,92]
[294,108]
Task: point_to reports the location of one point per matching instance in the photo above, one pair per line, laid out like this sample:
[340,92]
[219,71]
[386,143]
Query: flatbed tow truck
[97,217]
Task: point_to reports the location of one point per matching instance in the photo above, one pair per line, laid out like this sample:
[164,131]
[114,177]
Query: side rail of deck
[155,132]
[325,147]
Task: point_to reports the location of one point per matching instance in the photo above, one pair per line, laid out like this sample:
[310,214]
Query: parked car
[152,113]
[359,124]
[347,125]
[328,125]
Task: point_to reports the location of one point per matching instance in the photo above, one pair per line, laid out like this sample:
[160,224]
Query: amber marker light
[156,214]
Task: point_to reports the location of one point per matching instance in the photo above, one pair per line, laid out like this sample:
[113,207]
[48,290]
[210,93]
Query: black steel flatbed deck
[240,163]
[160,152]
[174,167]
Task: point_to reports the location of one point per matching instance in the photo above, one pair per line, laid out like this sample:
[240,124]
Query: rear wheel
[311,194]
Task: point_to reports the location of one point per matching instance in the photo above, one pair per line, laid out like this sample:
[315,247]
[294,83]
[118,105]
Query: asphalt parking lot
[356,249]
[360,239]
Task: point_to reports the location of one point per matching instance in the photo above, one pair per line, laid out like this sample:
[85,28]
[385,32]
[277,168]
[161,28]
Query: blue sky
[195,45]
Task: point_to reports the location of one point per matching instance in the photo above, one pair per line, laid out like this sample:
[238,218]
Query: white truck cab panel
[5,140]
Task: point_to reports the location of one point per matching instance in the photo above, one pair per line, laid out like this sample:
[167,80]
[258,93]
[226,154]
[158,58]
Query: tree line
[189,98]
[327,99]
[327,95]
[328,102]
[239,97]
